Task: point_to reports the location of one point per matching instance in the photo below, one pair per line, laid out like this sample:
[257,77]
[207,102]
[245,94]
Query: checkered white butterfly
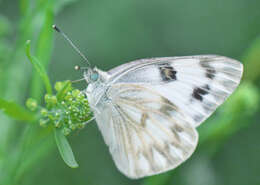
[148,110]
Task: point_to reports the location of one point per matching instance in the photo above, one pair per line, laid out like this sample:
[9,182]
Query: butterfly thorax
[97,86]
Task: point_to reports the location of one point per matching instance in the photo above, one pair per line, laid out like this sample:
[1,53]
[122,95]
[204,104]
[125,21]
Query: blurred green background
[111,33]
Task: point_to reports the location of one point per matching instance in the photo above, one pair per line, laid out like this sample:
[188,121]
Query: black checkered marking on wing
[210,71]
[167,72]
[198,92]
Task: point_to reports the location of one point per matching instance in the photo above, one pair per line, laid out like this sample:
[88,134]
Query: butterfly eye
[94,76]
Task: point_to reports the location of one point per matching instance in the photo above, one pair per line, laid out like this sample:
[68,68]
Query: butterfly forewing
[196,84]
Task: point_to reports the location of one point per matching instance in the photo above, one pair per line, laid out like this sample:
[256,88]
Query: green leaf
[65,149]
[252,61]
[39,68]
[44,47]
[45,42]
[16,111]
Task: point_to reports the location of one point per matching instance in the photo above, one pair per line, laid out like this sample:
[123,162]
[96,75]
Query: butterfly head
[95,75]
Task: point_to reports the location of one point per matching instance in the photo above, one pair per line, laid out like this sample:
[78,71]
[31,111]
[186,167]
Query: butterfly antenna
[71,43]
[79,80]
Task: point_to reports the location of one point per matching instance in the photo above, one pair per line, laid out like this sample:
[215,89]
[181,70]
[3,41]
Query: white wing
[152,107]
[196,84]
[145,132]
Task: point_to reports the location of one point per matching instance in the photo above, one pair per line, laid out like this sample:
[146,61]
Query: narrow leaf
[252,61]
[39,68]
[45,42]
[15,111]
[65,149]
[44,46]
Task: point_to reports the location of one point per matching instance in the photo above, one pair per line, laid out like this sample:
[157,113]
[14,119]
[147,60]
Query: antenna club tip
[55,28]
[77,67]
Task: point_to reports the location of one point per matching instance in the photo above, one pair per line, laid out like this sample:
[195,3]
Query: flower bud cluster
[68,109]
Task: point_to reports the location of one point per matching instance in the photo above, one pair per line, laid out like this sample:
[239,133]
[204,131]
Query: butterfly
[148,110]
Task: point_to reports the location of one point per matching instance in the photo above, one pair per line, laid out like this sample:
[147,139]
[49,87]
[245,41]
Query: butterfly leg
[89,120]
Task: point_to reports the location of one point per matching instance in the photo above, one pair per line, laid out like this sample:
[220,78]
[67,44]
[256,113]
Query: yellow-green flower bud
[75,93]
[31,104]
[58,86]
[44,112]
[44,122]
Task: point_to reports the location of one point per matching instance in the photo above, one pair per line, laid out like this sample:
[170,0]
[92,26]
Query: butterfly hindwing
[147,134]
